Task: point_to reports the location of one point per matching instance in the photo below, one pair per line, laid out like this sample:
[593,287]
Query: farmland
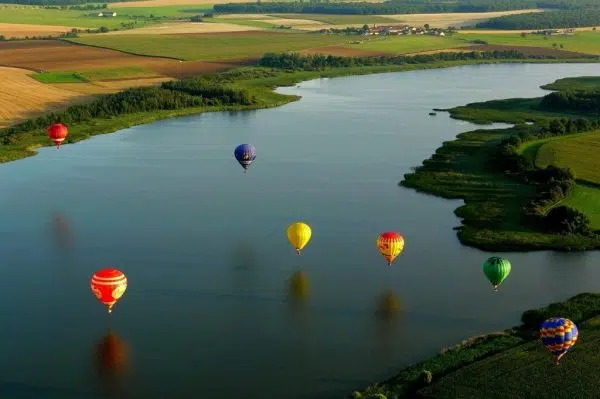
[580,153]
[214,46]
[509,364]
[22,97]
[527,371]
[584,42]
[409,44]
[453,19]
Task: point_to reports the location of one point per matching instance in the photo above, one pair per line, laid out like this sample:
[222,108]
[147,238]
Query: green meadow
[92,75]
[584,42]
[409,44]
[213,47]
[73,18]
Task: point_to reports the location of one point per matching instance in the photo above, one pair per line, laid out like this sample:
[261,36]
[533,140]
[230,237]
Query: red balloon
[58,132]
[109,285]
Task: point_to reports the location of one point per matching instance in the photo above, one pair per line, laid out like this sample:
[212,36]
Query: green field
[527,371]
[509,364]
[579,83]
[59,77]
[91,75]
[213,47]
[72,18]
[584,42]
[409,44]
[579,152]
[340,19]
[586,198]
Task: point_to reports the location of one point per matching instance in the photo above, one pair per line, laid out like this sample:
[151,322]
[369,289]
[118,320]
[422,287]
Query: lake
[208,312]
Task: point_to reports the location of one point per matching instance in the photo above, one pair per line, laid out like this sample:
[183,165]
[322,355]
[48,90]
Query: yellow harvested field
[453,19]
[246,16]
[185,27]
[22,30]
[22,97]
[293,22]
[107,87]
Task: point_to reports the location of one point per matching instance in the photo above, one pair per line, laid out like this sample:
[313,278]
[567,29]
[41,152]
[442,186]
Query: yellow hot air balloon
[390,245]
[299,235]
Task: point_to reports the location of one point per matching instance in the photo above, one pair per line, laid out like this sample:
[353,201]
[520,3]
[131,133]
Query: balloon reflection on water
[111,355]
[388,305]
[299,287]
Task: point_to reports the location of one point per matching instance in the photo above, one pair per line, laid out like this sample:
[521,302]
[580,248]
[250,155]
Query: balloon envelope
[245,154]
[299,234]
[109,285]
[58,132]
[558,335]
[496,269]
[390,245]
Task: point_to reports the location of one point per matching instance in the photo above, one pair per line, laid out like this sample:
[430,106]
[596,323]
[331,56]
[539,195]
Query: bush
[566,220]
[426,377]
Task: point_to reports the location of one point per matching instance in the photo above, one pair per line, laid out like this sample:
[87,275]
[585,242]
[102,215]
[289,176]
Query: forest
[398,7]
[195,92]
[547,20]
[579,101]
[295,61]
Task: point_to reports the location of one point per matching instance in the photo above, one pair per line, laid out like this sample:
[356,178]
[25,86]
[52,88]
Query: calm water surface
[208,312]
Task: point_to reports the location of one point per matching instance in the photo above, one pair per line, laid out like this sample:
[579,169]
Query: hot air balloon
[58,132]
[496,269]
[299,235]
[109,285]
[390,245]
[558,335]
[245,155]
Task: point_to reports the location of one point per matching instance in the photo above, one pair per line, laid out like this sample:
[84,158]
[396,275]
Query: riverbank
[20,141]
[505,208]
[507,363]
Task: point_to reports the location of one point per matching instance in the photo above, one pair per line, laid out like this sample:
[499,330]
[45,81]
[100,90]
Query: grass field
[213,46]
[584,42]
[409,44]
[527,371]
[22,97]
[72,18]
[579,152]
[508,364]
[586,198]
[109,74]
[583,82]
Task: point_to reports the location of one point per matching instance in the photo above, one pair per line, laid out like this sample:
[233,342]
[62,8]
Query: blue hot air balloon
[245,154]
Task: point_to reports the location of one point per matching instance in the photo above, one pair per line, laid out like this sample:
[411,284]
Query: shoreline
[267,95]
[421,379]
[504,210]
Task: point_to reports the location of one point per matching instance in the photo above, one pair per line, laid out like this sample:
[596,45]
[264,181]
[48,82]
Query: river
[207,312]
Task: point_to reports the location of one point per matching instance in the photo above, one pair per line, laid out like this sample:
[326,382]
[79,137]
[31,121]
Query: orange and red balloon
[390,245]
[109,285]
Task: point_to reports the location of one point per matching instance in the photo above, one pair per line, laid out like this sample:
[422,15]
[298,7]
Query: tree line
[295,61]
[397,6]
[545,20]
[187,93]
[552,183]
[573,100]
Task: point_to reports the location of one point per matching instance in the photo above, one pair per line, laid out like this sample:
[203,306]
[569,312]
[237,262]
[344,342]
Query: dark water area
[210,310]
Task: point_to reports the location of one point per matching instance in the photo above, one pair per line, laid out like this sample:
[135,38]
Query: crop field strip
[526,371]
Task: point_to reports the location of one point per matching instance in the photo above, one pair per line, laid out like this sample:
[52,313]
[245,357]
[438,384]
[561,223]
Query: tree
[103,29]
[523,34]
[426,26]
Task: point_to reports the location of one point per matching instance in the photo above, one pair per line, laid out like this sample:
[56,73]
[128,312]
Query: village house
[107,14]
